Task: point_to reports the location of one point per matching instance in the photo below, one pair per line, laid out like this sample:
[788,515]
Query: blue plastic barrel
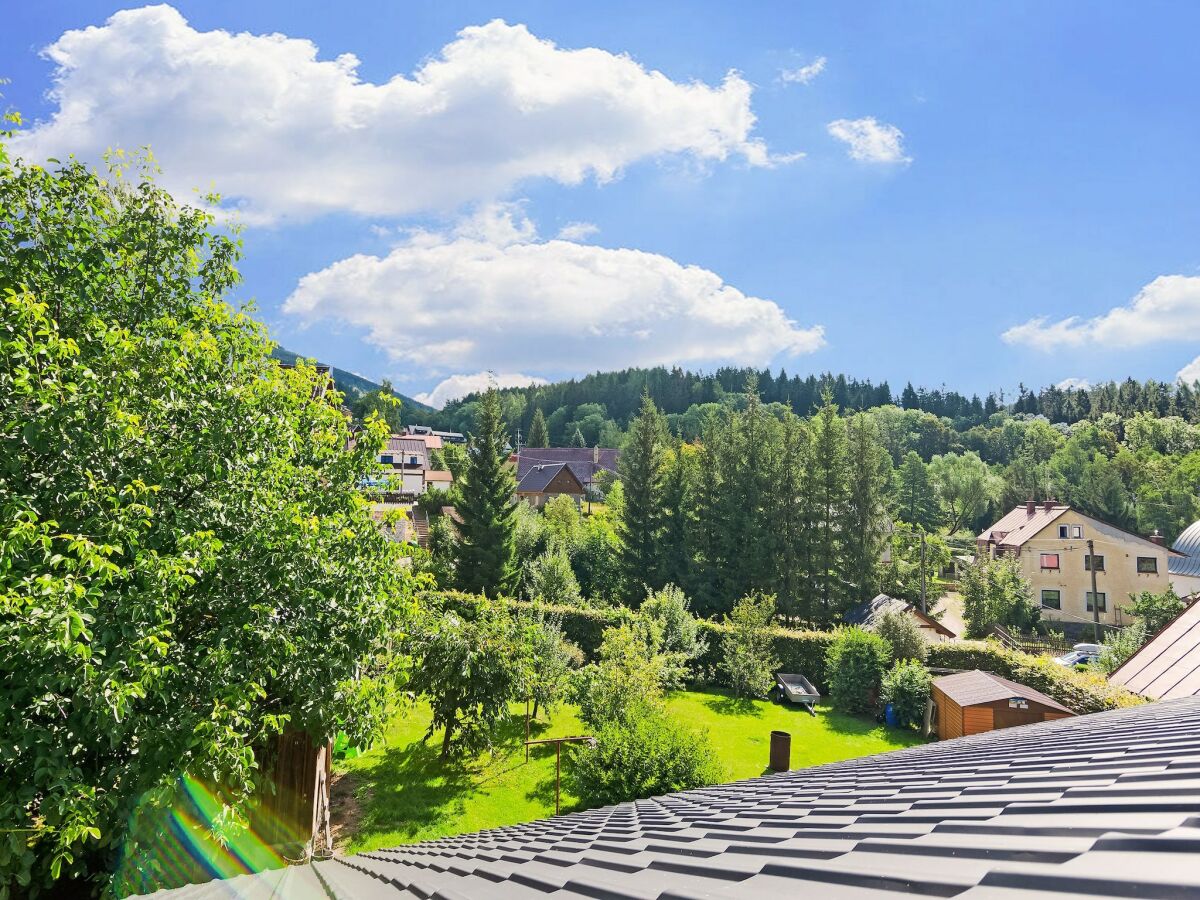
[889,716]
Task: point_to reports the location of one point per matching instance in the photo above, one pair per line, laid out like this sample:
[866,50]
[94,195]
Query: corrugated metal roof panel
[1188,543]
[1168,666]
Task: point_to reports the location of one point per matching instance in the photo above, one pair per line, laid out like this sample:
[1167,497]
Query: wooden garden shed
[975,702]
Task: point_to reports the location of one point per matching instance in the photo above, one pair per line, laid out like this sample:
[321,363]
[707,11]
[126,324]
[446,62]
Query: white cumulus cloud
[460,385]
[577,231]
[1190,373]
[1073,384]
[803,74]
[869,140]
[493,296]
[281,132]
[1167,309]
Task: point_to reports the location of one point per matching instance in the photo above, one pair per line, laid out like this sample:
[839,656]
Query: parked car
[1080,655]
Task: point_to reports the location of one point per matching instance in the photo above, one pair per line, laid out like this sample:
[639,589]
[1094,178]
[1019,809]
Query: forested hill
[587,403]
[355,386]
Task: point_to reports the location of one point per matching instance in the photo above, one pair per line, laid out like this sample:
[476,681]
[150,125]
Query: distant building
[1050,541]
[868,614]
[1184,569]
[543,482]
[588,466]
[424,431]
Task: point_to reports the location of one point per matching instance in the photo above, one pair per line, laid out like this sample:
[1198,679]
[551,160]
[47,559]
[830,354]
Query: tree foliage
[485,549]
[855,665]
[1155,610]
[907,686]
[748,648]
[995,592]
[187,567]
[903,635]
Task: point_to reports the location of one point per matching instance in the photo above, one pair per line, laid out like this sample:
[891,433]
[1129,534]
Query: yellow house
[1051,541]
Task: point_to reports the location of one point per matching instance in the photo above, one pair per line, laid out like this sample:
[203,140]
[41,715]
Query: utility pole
[1095,595]
[923,609]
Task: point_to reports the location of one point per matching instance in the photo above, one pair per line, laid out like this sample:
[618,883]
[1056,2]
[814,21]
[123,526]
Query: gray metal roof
[1168,666]
[1101,805]
[970,688]
[537,479]
[1188,543]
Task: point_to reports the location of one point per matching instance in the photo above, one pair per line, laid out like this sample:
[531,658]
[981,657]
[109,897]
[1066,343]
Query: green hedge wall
[804,652]
[1082,692]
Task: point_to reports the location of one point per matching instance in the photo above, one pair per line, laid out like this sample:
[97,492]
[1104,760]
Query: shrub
[645,756]
[906,686]
[1119,646]
[552,580]
[551,659]
[856,662]
[1081,692]
[681,639]
[1155,610]
[901,631]
[749,660]
[996,593]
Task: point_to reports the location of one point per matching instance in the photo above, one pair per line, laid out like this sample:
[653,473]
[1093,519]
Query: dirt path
[345,809]
[951,609]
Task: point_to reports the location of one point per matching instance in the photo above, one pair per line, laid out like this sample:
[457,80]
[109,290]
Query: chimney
[1048,504]
[1030,506]
[596,455]
[1158,538]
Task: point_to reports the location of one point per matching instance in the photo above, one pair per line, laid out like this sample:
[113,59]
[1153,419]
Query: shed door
[1005,717]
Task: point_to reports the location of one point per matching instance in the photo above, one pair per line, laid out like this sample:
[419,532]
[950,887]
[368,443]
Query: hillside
[355,385]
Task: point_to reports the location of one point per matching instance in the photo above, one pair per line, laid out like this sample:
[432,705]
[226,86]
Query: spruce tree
[485,561]
[916,500]
[577,440]
[869,470]
[830,490]
[539,436]
[640,524]
[791,517]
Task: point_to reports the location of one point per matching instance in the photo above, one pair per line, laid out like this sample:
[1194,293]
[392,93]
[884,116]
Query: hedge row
[1083,692]
[804,652]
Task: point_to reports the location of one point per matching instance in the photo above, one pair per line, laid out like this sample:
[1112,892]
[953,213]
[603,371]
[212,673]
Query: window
[1147,565]
[1102,604]
[1076,531]
[386,458]
[1049,560]
[1051,599]
[1087,562]
[1062,531]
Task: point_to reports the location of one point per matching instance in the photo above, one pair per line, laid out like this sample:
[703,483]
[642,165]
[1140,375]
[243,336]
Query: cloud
[804,74]
[495,297]
[870,140]
[1190,373]
[1073,384]
[1167,309]
[577,231]
[460,385]
[281,132]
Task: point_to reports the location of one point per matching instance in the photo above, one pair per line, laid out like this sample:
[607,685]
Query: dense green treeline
[599,407]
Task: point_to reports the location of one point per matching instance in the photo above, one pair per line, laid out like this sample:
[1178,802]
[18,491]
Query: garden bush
[856,662]
[906,687]
[901,631]
[747,649]
[681,638]
[1081,692]
[644,756]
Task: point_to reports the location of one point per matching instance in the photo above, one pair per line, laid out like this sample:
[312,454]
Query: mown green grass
[405,793]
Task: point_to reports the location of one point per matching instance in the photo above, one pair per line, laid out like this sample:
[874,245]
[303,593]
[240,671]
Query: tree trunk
[535,708]
[446,739]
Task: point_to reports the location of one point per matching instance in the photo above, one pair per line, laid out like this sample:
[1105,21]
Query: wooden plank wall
[976,719]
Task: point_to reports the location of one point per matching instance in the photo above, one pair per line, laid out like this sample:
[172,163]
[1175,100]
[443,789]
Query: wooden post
[526,729]
[557,772]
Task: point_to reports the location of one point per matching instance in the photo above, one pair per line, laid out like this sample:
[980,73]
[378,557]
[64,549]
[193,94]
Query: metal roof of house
[1188,544]
[586,464]
[1106,805]
[538,478]
[969,688]
[869,612]
[1168,666]
[1022,523]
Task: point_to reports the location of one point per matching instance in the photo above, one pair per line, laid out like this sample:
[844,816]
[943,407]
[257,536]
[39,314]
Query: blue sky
[987,193]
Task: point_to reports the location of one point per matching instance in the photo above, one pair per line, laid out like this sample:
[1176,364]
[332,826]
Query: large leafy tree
[187,567]
[486,549]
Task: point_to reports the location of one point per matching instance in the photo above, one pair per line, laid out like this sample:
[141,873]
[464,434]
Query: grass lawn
[400,792]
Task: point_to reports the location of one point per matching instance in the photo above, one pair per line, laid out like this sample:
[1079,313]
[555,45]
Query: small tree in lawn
[551,659]
[1155,610]
[749,655]
[855,663]
[903,634]
[485,548]
[469,661]
[682,643]
[626,681]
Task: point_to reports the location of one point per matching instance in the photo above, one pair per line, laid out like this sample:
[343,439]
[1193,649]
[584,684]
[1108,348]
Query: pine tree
[916,499]
[538,435]
[577,440]
[704,585]
[791,520]
[486,550]
[830,490]
[908,397]
[640,525]
[865,515]
[678,509]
